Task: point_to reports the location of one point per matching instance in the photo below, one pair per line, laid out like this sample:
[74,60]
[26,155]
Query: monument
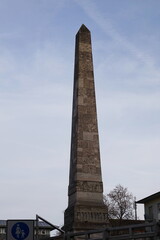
[86,209]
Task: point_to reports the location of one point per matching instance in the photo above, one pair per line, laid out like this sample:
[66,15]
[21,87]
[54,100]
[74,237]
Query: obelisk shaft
[85,183]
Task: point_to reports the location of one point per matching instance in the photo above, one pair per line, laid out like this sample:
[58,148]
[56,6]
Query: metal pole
[54,226]
[135,208]
[135,211]
[37,227]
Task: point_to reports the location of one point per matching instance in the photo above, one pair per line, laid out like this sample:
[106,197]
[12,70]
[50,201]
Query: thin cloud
[92,11]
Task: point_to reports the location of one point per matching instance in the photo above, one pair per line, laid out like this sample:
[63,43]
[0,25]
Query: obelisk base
[82,218]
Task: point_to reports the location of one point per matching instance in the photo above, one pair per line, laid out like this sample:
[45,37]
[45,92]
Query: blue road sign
[20,231]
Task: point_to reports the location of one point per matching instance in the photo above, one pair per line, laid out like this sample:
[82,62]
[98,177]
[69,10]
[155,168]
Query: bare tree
[120,203]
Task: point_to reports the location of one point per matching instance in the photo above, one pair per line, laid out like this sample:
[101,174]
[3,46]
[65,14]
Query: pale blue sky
[36,81]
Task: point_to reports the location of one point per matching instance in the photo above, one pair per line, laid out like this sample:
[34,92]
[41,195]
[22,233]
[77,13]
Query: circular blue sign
[20,231]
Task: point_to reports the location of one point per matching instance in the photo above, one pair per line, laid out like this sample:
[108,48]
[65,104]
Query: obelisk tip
[83,28]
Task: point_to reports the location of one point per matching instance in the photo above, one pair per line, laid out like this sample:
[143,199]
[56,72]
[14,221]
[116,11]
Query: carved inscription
[91,216]
[88,158]
[85,186]
[92,169]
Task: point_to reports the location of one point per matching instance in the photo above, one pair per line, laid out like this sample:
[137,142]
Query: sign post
[20,229]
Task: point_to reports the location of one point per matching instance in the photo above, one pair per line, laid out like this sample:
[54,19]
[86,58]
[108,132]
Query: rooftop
[149,198]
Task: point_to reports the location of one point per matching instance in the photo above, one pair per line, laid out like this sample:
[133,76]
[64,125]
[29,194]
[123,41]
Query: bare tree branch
[119,203]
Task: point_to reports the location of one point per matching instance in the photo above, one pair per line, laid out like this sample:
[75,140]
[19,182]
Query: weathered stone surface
[85,207]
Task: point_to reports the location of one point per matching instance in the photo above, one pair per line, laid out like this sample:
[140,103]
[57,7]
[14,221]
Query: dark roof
[3,223]
[41,224]
[149,198]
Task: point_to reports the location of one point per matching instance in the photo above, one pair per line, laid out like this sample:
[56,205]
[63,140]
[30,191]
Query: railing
[144,231]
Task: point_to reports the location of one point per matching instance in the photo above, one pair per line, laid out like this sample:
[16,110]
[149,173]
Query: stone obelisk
[85,193]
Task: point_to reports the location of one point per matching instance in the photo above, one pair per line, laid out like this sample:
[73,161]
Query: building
[151,206]
[44,229]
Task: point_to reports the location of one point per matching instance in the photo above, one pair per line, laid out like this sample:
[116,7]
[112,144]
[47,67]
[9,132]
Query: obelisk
[86,209]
